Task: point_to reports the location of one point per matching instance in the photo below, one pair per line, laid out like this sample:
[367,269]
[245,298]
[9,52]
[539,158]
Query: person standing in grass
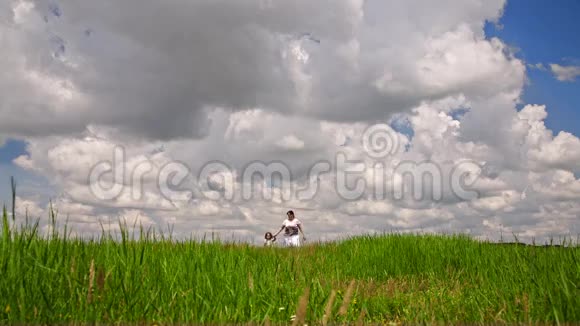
[269,239]
[292,228]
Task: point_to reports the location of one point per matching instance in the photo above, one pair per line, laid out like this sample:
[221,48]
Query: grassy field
[391,278]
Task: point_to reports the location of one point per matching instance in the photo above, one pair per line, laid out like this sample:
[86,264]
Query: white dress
[292,241]
[292,233]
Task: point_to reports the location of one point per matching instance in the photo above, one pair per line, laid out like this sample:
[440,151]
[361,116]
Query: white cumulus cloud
[565,73]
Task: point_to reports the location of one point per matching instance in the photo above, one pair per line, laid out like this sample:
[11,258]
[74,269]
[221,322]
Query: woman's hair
[290,213]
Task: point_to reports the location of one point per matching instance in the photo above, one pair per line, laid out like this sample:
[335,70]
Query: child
[269,239]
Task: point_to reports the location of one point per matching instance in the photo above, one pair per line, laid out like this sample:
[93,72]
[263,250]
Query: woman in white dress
[292,228]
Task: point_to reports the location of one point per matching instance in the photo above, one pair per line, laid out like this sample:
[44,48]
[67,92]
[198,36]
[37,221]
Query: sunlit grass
[52,278]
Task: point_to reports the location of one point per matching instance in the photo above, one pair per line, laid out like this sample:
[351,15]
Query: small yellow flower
[7,310]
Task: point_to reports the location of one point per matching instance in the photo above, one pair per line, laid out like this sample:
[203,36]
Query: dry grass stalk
[361,318]
[100,280]
[72,266]
[91,281]
[250,282]
[328,309]
[526,308]
[72,273]
[347,297]
[302,308]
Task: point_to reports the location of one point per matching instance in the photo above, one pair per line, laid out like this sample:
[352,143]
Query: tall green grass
[52,278]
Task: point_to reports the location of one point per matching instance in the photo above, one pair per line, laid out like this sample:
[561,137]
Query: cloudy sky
[190,82]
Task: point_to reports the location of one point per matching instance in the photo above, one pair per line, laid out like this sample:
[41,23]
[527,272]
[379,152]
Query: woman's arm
[282,228]
[301,231]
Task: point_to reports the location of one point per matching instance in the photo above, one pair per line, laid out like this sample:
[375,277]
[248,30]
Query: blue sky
[546,32]
[8,152]
[27,184]
[11,150]
[542,31]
